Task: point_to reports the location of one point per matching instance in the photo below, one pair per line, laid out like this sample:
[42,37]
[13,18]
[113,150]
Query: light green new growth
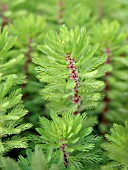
[26,32]
[70,132]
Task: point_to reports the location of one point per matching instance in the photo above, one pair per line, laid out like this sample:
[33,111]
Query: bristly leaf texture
[7,163]
[117,147]
[70,70]
[57,13]
[11,10]
[29,34]
[34,160]
[39,160]
[113,42]
[69,137]
[25,31]
[11,107]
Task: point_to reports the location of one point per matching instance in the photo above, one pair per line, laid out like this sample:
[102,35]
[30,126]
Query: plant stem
[100,10]
[4,18]
[65,157]
[106,89]
[28,61]
[74,76]
[60,12]
[28,55]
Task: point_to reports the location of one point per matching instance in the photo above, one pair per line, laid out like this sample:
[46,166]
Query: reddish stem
[4,18]
[106,89]
[74,76]
[65,156]
[28,61]
[60,12]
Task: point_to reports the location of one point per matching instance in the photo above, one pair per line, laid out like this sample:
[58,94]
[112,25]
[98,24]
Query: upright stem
[65,156]
[100,9]
[74,76]
[60,12]
[28,55]
[4,18]
[106,89]
[28,61]
[75,98]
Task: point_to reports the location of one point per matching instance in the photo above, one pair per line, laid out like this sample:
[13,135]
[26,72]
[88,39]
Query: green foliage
[117,147]
[35,160]
[110,35]
[72,73]
[113,43]
[102,8]
[25,31]
[71,131]
[119,14]
[19,8]
[7,163]
[29,34]
[77,16]
[10,9]
[53,69]
[56,13]
[11,108]
[38,160]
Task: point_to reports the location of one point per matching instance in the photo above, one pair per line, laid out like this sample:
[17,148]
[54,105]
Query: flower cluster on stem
[74,76]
